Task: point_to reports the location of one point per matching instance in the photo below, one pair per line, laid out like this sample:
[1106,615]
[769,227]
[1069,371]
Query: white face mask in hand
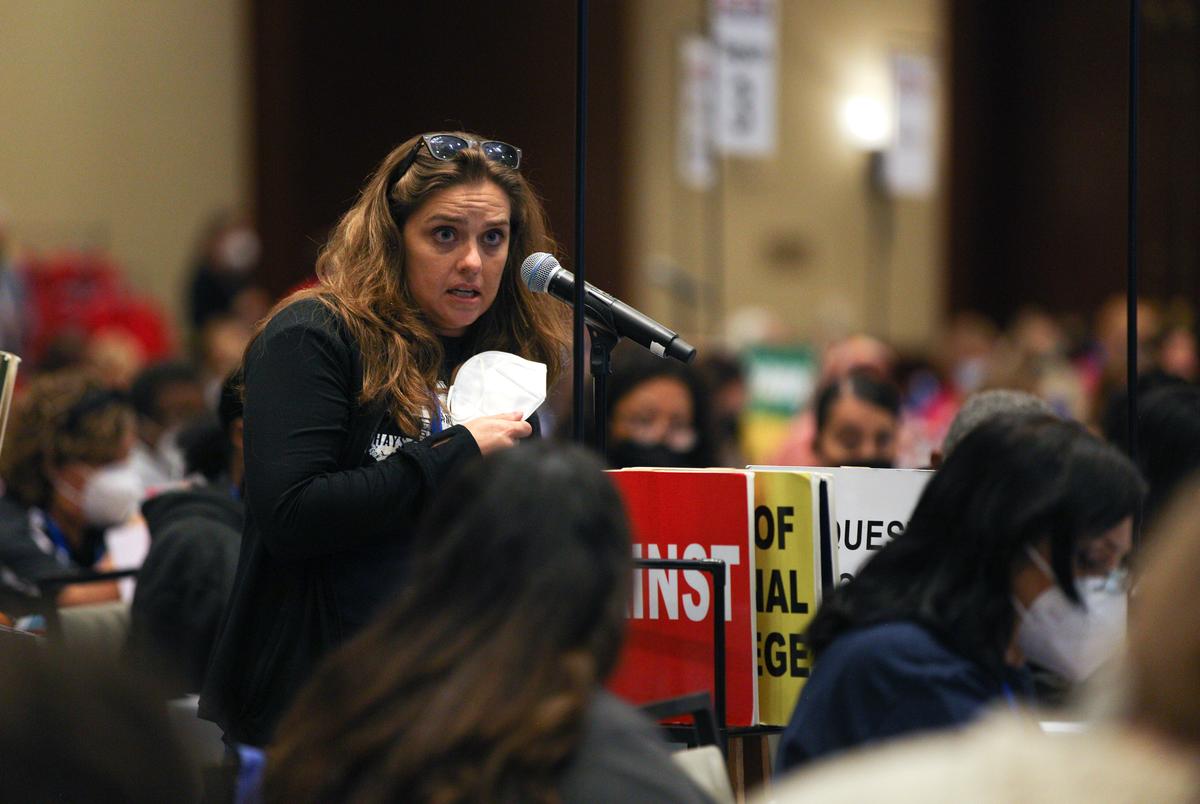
[1070,639]
[491,383]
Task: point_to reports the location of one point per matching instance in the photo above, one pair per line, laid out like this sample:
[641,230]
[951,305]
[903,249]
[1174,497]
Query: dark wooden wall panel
[1038,153]
[338,85]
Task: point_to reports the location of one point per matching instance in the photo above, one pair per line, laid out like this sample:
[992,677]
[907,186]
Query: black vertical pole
[581,61]
[1131,356]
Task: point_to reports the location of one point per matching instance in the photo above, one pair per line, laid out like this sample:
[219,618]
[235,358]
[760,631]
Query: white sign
[870,506]
[745,35]
[910,167]
[694,157]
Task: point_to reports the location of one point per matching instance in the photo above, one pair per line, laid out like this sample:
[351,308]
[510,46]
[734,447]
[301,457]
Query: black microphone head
[538,269]
[681,350]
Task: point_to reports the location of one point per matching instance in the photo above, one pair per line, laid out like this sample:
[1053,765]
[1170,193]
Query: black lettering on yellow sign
[765,527]
[782,654]
[774,595]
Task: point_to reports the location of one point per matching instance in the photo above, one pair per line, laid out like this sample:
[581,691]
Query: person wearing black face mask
[857,420]
[657,414]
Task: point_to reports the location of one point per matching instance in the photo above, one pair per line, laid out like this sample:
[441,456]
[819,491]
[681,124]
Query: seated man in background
[166,396]
[196,533]
[67,481]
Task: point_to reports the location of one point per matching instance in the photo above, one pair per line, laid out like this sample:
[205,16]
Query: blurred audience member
[1177,353]
[1105,371]
[188,573]
[857,419]
[67,480]
[657,413]
[483,681]
[1168,441]
[75,728]
[861,354]
[968,349]
[985,405]
[116,356]
[857,354]
[66,350]
[166,396]
[1115,421]
[223,271]
[988,574]
[1149,752]
[219,350]
[726,388]
[14,302]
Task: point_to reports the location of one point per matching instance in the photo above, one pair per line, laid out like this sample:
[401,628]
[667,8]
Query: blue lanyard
[435,421]
[1009,696]
[56,535]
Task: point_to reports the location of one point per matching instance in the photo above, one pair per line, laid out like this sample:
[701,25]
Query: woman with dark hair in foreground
[482,682]
[1026,515]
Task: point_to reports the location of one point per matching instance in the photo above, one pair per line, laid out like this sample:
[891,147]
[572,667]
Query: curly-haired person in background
[66,480]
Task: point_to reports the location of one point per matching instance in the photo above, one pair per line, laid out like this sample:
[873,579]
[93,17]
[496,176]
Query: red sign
[669,647]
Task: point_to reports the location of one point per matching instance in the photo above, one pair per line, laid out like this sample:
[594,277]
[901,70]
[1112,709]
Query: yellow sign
[787,541]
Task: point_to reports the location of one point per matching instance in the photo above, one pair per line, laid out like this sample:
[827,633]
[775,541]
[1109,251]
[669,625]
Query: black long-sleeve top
[333,489]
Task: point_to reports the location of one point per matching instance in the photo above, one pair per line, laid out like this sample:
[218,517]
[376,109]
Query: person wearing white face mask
[166,396]
[1140,741]
[67,480]
[1072,638]
[937,625]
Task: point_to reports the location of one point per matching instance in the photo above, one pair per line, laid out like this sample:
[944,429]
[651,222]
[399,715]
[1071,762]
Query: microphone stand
[603,341]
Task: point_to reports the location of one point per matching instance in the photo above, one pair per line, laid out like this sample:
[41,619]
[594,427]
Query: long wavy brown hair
[362,279]
[474,685]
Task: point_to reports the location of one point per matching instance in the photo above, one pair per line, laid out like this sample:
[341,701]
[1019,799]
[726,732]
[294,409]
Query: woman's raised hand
[498,432]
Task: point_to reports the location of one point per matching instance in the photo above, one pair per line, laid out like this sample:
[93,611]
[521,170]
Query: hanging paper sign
[745,35]
[910,164]
[694,149]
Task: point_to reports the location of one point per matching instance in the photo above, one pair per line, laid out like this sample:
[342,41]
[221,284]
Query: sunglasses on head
[447,146]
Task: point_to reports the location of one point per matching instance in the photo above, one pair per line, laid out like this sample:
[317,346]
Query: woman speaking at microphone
[345,437]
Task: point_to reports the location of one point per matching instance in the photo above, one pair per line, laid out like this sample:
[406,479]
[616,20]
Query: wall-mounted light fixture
[866,123]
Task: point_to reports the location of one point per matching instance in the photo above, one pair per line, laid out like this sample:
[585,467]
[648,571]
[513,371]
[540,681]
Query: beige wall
[795,226]
[124,124]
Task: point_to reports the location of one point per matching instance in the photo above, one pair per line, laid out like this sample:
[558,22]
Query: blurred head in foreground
[76,729]
[474,684]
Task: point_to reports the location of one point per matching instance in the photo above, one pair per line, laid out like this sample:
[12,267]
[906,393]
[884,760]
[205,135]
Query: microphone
[542,273]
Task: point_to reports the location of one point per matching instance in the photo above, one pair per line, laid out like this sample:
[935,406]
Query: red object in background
[303,284]
[86,292]
[669,647]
